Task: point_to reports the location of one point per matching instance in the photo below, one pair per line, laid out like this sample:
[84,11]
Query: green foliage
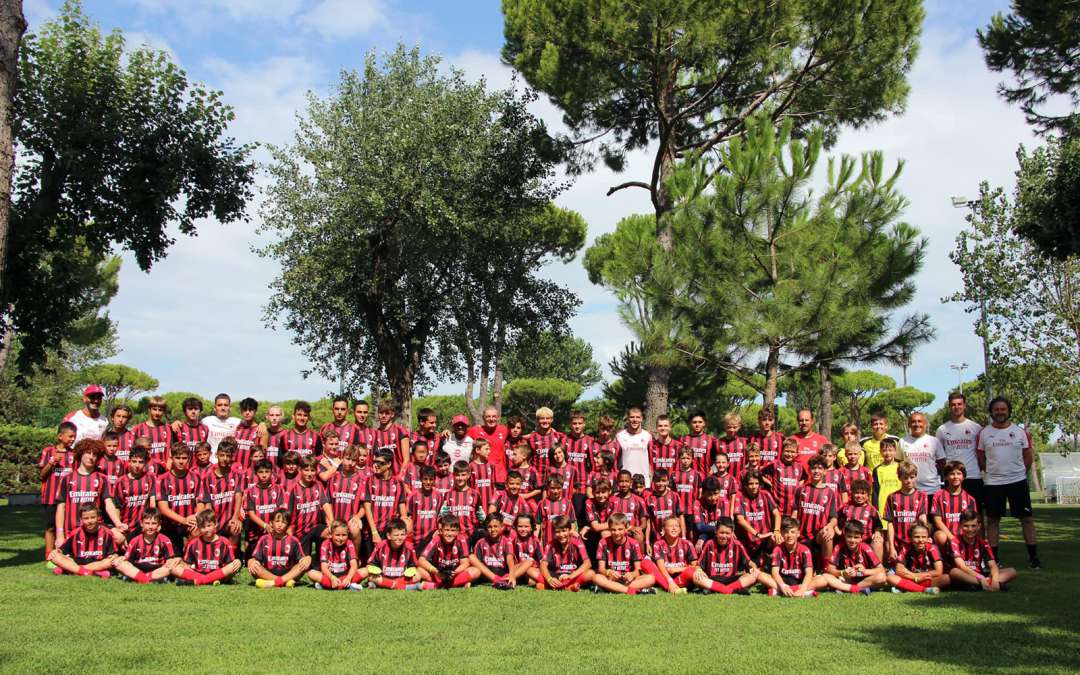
[445,407]
[523,397]
[551,354]
[855,389]
[904,400]
[1033,308]
[116,150]
[379,209]
[1048,195]
[20,449]
[119,381]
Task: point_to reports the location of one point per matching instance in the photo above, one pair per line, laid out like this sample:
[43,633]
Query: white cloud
[340,19]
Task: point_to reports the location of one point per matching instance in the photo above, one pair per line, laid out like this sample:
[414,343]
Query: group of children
[354,517]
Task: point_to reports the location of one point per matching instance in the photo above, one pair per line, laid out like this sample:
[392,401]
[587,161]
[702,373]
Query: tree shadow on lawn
[20,524]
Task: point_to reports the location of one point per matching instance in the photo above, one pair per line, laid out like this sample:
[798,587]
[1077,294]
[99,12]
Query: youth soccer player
[220,491]
[247,434]
[55,464]
[482,473]
[278,559]
[150,555]
[261,501]
[128,499]
[175,497]
[157,430]
[526,549]
[552,507]
[330,460]
[208,559]
[84,485]
[421,457]
[686,480]
[427,433]
[728,486]
[603,469]
[202,465]
[342,428]
[708,510]
[853,468]
[110,465]
[520,461]
[384,496]
[191,431]
[793,565]
[662,503]
[663,448]
[463,503]
[757,518]
[393,563]
[543,439]
[733,445]
[338,562]
[389,435]
[301,439]
[701,445]
[673,560]
[346,494]
[597,510]
[90,549]
[919,569]
[785,477]
[903,510]
[565,565]
[309,508]
[879,428]
[884,477]
[626,502]
[854,567]
[444,477]
[422,509]
[619,559]
[493,555]
[974,565]
[724,566]
[768,439]
[816,509]
[509,502]
[445,560]
[860,510]
[947,505]
[579,452]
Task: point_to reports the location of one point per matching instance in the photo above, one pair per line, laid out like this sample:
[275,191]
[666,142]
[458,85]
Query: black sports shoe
[647,591]
[1033,563]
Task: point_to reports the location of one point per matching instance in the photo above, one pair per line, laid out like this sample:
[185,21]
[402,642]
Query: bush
[523,396]
[445,407]
[20,449]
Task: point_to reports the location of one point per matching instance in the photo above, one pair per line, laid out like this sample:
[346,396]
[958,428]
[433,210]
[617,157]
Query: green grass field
[66,624]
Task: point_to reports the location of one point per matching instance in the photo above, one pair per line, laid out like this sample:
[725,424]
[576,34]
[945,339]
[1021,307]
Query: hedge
[20,449]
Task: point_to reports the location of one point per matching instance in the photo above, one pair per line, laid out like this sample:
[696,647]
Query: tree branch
[628,184]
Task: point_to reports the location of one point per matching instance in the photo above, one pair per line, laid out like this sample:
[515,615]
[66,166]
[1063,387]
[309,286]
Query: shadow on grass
[20,532]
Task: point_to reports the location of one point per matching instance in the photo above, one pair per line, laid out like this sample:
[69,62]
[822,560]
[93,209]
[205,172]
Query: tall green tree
[12,26]
[857,388]
[378,209]
[1037,43]
[1033,307]
[115,148]
[783,280]
[119,382]
[678,76]
[553,354]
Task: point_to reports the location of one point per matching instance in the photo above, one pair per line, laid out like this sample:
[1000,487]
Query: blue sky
[196,321]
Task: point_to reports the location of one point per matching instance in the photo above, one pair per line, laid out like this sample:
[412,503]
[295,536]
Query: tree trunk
[12,27]
[497,378]
[825,419]
[7,339]
[772,376]
[470,368]
[401,391]
[657,389]
[656,394]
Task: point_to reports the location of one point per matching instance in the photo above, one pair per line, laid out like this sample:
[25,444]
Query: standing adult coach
[88,420]
[809,441]
[495,434]
[1005,456]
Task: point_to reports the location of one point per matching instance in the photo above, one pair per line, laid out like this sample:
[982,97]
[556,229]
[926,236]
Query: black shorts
[975,488]
[790,580]
[724,580]
[1015,493]
[48,517]
[145,567]
[311,542]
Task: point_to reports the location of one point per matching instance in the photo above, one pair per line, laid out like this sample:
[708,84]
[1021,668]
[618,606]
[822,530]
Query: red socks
[392,584]
[142,578]
[279,581]
[83,572]
[460,579]
[649,567]
[910,586]
[684,579]
[216,575]
[200,579]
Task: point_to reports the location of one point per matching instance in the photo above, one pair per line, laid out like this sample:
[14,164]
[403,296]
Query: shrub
[20,449]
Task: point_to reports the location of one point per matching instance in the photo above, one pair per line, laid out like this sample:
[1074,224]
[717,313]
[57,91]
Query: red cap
[459,419]
[93,389]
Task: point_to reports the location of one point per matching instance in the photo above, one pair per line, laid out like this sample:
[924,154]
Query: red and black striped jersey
[547,510]
[770,446]
[530,480]
[390,439]
[410,475]
[86,547]
[482,479]
[564,473]
[724,563]
[275,443]
[263,501]
[154,553]
[112,468]
[676,557]
[610,476]
[434,443]
[465,506]
[50,486]
[792,563]
[446,557]
[619,557]
[867,514]
[976,554]
[857,472]
[287,481]
[393,563]
[494,554]
[345,432]
[708,514]
[611,446]
[304,443]
[208,556]
[579,458]
[161,439]
[305,504]
[816,507]
[663,455]
[386,498]
[337,558]
[595,512]
[130,495]
[124,441]
[634,507]
[278,556]
[735,449]
[528,548]
[837,480]
[346,494]
[541,448]
[758,511]
[843,557]
[220,493]
[949,506]
[509,507]
[201,471]
[687,484]
[191,435]
[364,436]
[920,561]
[247,437]
[704,447]
[729,487]
[903,511]
[661,507]
[77,489]
[785,479]
[444,484]
[424,511]
[179,492]
[565,559]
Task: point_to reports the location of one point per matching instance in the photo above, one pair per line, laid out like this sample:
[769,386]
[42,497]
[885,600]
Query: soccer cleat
[57,570]
[217,582]
[896,590]
[104,574]
[375,570]
[596,589]
[264,583]
[320,587]
[1033,563]
[931,590]
[290,583]
[810,594]
[50,565]
[647,591]
[410,572]
[501,585]
[681,591]
[356,587]
[865,591]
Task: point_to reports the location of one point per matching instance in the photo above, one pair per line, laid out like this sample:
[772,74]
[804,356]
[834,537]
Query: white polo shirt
[959,440]
[924,452]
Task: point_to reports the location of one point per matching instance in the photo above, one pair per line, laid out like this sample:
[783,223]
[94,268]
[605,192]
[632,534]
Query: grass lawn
[66,624]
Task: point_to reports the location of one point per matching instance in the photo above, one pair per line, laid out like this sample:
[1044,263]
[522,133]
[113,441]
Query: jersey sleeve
[776,559]
[167,547]
[191,554]
[108,548]
[889,515]
[429,550]
[68,547]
